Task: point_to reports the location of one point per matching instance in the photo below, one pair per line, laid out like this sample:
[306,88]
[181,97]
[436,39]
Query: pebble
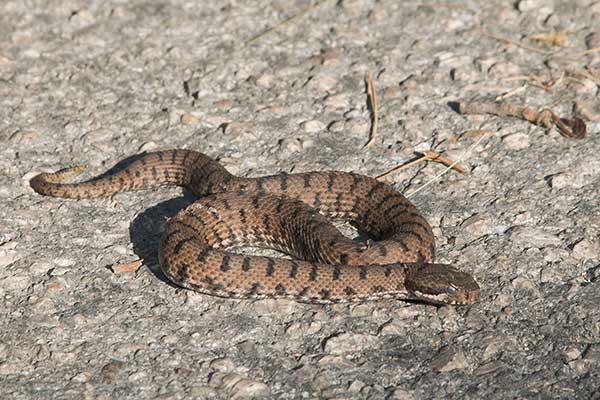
[312,126]
[592,353]
[265,80]
[337,101]
[337,126]
[393,327]
[16,283]
[538,6]
[189,119]
[448,360]
[8,256]
[571,353]
[528,236]
[350,343]
[322,83]
[358,126]
[82,377]
[516,141]
[222,365]
[522,283]
[25,137]
[586,250]
[477,225]
[504,69]
[489,368]
[401,394]
[291,144]
[592,40]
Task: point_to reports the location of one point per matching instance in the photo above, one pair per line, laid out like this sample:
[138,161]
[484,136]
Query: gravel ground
[91,82]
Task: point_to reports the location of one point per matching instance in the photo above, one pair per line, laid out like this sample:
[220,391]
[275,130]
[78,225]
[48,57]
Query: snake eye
[452,290]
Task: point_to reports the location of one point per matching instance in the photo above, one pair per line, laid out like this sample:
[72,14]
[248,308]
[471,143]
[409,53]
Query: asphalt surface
[93,82]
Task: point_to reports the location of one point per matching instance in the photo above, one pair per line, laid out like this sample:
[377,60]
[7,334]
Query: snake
[292,213]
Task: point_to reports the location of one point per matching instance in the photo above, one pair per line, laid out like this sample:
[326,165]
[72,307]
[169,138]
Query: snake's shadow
[147,227]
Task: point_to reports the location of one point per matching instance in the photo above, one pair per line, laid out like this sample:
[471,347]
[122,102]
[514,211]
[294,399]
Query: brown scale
[290,213]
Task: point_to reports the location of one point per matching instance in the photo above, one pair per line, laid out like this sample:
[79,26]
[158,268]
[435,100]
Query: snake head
[441,284]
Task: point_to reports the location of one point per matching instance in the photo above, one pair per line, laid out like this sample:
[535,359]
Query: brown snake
[286,212]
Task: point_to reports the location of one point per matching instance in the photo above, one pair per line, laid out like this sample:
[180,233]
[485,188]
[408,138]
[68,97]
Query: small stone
[8,256]
[516,141]
[224,104]
[25,137]
[237,128]
[522,283]
[337,101]
[592,353]
[82,377]
[393,327]
[5,60]
[534,5]
[54,284]
[529,236]
[64,262]
[350,343]
[323,83]
[337,126]
[265,80]
[15,283]
[222,365]
[358,126]
[586,110]
[571,353]
[189,119]
[203,392]
[504,69]
[449,360]
[502,300]
[109,372]
[592,40]
[137,376]
[400,394]
[477,225]
[249,389]
[560,180]
[312,126]
[580,367]
[148,146]
[586,250]
[356,386]
[129,267]
[489,368]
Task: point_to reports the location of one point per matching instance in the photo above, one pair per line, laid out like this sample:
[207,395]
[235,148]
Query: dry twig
[427,156]
[573,128]
[448,168]
[374,112]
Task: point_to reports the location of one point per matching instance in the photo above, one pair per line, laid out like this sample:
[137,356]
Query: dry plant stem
[427,156]
[437,157]
[287,21]
[399,168]
[374,112]
[466,154]
[571,128]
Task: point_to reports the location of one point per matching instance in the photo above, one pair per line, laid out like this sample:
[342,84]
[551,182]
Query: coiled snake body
[287,212]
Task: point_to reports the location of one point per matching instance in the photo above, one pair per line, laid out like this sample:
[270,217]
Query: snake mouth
[460,298]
